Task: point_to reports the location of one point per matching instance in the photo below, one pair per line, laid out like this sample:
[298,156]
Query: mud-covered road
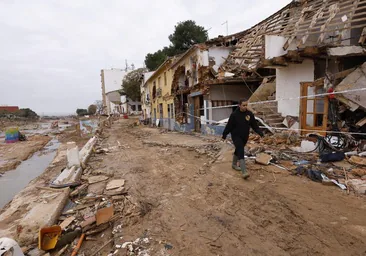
[202,208]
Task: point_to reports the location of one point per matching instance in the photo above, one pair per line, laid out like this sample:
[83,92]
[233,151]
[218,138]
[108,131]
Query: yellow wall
[166,90]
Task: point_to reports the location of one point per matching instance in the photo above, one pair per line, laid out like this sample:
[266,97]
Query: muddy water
[12,182]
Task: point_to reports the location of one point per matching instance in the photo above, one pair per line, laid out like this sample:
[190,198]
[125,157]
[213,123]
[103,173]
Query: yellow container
[48,237]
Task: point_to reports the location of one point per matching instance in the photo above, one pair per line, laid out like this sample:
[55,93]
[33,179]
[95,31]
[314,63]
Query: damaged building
[202,90]
[306,48]
[312,48]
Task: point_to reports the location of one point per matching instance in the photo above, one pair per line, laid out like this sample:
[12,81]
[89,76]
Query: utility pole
[126,66]
[227,27]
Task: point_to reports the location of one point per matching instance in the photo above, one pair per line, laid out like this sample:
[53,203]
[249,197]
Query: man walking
[238,125]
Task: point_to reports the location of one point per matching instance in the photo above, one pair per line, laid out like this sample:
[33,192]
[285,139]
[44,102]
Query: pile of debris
[96,204]
[281,138]
[315,157]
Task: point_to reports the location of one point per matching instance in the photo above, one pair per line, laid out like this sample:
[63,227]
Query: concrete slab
[113,184]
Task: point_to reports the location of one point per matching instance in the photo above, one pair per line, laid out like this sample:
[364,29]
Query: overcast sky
[51,51]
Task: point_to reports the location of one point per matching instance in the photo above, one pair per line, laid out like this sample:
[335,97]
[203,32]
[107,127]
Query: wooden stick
[52,189]
[101,248]
[77,248]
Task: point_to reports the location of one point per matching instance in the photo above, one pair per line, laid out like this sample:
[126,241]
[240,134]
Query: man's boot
[243,169]
[234,165]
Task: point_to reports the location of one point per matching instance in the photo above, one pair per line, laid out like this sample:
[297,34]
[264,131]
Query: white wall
[113,79]
[124,103]
[218,54]
[227,93]
[274,46]
[288,86]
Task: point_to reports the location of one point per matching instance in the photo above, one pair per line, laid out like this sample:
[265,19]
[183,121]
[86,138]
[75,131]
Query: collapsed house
[307,47]
[202,91]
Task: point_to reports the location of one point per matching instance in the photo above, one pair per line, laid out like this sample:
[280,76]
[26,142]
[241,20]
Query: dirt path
[208,209]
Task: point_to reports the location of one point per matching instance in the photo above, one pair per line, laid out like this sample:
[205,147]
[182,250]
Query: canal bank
[12,182]
[38,205]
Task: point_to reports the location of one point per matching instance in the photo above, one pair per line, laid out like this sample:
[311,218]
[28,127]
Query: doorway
[198,112]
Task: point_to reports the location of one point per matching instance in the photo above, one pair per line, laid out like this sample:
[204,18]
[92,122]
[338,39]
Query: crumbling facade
[200,88]
[303,42]
[145,97]
[159,91]
[277,65]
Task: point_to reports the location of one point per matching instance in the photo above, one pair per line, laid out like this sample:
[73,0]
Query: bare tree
[99,105]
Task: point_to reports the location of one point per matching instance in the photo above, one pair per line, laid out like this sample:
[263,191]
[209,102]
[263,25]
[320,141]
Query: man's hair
[242,100]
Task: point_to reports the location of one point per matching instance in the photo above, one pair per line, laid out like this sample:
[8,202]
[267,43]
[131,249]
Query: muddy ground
[190,205]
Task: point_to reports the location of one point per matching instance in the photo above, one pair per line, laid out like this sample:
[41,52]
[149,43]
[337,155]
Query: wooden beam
[319,82]
[311,51]
[266,63]
[363,36]
[281,61]
[294,56]
[343,74]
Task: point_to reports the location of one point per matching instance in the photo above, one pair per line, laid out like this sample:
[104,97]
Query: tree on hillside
[92,109]
[186,34]
[131,84]
[154,60]
[81,112]
[26,113]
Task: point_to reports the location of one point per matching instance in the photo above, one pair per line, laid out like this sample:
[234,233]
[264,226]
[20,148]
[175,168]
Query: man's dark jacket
[239,125]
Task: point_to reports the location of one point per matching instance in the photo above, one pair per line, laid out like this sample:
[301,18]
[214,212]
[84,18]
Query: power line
[278,128]
[294,98]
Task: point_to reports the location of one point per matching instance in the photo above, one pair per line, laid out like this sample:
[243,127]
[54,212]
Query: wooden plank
[305,24]
[332,15]
[67,222]
[333,25]
[333,30]
[363,36]
[319,82]
[361,123]
[303,106]
[343,74]
[280,61]
[326,14]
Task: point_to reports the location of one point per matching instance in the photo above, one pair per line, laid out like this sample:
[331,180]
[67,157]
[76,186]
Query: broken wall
[302,23]
[321,67]
[288,86]
[355,80]
[114,97]
[267,88]
[228,93]
[218,55]
[274,46]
